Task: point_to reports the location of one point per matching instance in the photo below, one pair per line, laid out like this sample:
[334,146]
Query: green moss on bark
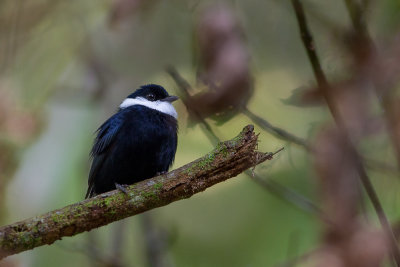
[227,160]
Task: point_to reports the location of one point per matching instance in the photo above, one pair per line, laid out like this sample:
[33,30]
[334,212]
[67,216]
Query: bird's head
[152,96]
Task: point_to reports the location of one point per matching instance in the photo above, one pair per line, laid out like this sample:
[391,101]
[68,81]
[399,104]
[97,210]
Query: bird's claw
[161,173]
[122,188]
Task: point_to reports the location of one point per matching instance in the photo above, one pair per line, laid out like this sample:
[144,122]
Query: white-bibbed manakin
[138,142]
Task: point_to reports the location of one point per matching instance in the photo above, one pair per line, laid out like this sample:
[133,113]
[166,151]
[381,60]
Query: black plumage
[136,143]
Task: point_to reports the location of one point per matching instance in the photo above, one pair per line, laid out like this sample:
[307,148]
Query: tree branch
[276,131]
[327,92]
[227,160]
[273,187]
[187,101]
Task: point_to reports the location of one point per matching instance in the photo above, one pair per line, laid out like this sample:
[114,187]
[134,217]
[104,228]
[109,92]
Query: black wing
[105,137]
[168,148]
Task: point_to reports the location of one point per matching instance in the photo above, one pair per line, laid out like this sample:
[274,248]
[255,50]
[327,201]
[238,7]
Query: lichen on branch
[227,160]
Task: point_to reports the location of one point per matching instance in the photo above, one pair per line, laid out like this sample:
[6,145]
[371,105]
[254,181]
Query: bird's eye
[151,97]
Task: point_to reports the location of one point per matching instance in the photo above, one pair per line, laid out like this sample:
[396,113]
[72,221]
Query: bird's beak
[170,98]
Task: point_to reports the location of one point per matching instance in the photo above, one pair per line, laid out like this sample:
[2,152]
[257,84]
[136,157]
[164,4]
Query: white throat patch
[162,106]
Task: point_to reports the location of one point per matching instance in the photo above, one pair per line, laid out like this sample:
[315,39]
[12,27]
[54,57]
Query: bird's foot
[122,188]
[161,173]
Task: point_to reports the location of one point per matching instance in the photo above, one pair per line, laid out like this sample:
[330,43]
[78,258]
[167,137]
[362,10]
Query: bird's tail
[90,192]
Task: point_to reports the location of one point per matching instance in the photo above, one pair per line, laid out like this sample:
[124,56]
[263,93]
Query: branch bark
[227,160]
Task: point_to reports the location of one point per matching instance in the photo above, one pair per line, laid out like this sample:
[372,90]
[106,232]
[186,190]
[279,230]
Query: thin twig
[326,90]
[384,90]
[117,243]
[357,15]
[186,99]
[279,190]
[259,121]
[286,194]
[309,45]
[277,132]
[155,243]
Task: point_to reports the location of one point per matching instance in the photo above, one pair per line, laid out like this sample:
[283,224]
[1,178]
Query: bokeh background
[65,66]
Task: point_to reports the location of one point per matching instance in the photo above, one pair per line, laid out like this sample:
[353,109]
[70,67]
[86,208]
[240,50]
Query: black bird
[138,142]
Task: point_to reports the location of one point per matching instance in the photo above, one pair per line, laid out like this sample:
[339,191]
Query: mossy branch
[227,160]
